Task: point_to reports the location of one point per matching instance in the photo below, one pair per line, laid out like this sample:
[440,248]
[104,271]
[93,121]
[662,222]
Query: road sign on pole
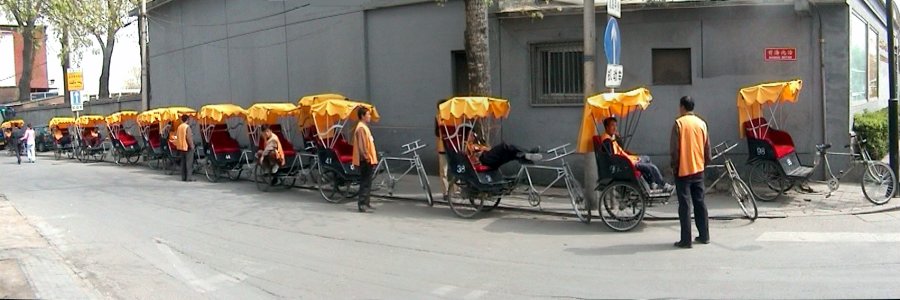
[74,80]
[614,8]
[614,74]
[75,98]
[612,42]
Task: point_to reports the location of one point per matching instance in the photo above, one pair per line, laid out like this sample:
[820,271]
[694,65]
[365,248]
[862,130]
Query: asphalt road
[131,232]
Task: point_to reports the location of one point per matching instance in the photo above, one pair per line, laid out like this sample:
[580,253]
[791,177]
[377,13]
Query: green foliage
[873,126]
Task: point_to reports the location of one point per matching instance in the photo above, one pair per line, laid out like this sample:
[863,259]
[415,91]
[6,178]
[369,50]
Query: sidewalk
[29,266]
[848,199]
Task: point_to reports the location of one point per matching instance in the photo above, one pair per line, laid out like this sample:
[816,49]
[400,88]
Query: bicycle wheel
[263,178]
[426,186]
[465,206]
[622,206]
[328,185]
[57,154]
[212,173]
[580,205]
[766,180]
[741,192]
[382,183]
[879,183]
[133,158]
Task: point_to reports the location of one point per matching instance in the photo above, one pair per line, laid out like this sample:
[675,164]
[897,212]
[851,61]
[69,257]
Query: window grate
[558,75]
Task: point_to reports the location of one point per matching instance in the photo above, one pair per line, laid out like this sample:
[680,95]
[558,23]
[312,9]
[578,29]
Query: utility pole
[892,102]
[590,55]
[145,78]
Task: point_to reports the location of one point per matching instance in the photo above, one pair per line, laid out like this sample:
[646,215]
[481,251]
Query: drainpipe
[822,78]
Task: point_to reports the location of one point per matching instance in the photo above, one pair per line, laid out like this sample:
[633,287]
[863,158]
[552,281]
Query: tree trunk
[65,63]
[477,51]
[107,60]
[27,61]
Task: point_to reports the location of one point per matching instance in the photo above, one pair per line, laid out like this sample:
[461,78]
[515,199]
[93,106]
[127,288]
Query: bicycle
[879,183]
[580,206]
[384,179]
[740,191]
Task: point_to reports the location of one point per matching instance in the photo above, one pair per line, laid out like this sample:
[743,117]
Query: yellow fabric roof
[327,112]
[269,113]
[90,120]
[121,117]
[458,108]
[10,124]
[61,122]
[313,99]
[171,114]
[751,99]
[601,106]
[148,117]
[219,113]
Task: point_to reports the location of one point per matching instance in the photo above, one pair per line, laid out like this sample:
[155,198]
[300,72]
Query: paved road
[130,232]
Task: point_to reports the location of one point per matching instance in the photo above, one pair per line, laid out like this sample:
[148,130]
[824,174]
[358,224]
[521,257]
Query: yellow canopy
[121,117]
[268,113]
[313,99]
[149,117]
[219,113]
[61,122]
[10,124]
[172,114]
[458,108]
[327,112]
[601,106]
[751,99]
[90,120]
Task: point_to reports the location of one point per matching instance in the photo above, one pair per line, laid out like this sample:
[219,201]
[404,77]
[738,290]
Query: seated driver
[92,138]
[651,173]
[499,154]
[272,156]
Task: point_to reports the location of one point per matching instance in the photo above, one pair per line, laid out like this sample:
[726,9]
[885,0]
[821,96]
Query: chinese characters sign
[781,54]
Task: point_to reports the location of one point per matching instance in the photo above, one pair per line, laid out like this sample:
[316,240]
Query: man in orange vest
[364,156]
[184,143]
[650,172]
[689,148]
[272,156]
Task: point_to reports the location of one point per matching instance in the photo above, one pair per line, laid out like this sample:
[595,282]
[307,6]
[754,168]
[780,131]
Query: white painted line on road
[444,290]
[829,237]
[474,295]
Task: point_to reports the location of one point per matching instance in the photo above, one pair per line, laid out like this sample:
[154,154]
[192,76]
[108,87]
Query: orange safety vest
[363,129]
[617,149]
[180,137]
[692,138]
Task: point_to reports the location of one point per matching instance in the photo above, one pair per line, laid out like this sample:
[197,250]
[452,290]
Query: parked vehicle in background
[43,139]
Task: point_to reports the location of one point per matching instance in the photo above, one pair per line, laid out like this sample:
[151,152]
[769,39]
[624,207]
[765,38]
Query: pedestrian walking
[439,131]
[184,143]
[364,156]
[16,142]
[28,140]
[689,150]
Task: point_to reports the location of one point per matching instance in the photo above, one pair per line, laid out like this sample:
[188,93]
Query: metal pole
[145,80]
[590,53]
[892,102]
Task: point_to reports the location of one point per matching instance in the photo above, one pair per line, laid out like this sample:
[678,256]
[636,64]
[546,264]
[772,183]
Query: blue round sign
[612,42]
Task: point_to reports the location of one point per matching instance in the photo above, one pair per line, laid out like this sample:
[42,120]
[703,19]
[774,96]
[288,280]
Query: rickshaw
[169,120]
[281,118]
[59,127]
[336,173]
[154,154]
[90,141]
[481,188]
[125,146]
[224,155]
[775,166]
[624,192]
[8,128]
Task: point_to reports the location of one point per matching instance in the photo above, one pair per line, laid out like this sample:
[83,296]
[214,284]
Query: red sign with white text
[781,54]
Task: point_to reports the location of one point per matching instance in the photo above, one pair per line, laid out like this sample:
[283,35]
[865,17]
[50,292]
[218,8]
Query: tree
[26,13]
[64,16]
[477,47]
[103,19]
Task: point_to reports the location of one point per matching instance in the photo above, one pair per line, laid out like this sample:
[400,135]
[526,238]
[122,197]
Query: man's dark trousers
[365,181]
[692,186]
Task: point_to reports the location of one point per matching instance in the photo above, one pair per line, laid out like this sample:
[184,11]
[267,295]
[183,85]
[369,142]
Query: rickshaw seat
[126,139]
[606,159]
[781,141]
[222,142]
[153,137]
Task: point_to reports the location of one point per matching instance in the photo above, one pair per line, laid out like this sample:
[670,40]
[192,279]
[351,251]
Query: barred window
[558,74]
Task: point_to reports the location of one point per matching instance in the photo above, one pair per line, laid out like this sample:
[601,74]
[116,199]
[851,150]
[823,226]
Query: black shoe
[361,207]
[683,245]
[698,240]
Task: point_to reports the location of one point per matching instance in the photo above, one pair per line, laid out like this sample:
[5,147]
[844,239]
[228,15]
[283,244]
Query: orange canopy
[601,106]
[750,100]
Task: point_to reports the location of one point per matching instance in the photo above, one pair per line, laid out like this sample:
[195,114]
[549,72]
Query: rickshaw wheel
[328,185]
[234,175]
[766,180]
[57,154]
[622,206]
[212,174]
[490,204]
[134,158]
[263,178]
[464,205]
